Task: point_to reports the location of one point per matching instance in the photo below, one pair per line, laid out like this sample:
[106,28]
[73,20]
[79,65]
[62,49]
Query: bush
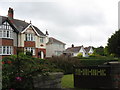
[80,55]
[65,63]
[17,72]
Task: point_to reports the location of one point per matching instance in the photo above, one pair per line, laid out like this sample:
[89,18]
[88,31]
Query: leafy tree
[99,51]
[106,53]
[114,44]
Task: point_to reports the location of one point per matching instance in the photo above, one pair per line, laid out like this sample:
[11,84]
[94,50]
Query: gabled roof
[87,49]
[20,25]
[74,49]
[53,40]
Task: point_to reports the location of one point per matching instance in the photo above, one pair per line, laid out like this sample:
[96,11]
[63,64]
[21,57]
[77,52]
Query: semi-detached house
[19,35]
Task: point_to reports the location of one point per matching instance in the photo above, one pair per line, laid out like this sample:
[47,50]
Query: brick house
[19,35]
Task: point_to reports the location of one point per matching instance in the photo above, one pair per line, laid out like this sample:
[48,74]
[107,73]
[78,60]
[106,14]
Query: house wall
[54,49]
[14,38]
[82,50]
[49,50]
[91,51]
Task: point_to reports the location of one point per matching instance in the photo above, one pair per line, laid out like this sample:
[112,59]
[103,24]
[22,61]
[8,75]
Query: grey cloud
[51,11]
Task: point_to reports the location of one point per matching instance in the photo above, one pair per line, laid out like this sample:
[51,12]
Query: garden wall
[53,80]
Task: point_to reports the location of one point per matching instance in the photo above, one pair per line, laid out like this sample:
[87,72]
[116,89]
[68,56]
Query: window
[41,40]
[5,30]
[5,50]
[58,53]
[30,49]
[30,37]
[6,34]
[6,26]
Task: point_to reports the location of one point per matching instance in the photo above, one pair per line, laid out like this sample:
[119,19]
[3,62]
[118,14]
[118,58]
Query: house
[89,50]
[54,47]
[74,51]
[19,35]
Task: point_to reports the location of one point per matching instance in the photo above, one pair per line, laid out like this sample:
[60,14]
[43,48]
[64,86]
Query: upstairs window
[5,34]
[6,26]
[41,40]
[30,37]
[5,30]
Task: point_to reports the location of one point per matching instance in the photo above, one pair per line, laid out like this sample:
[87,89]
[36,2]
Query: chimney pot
[47,32]
[10,13]
[72,45]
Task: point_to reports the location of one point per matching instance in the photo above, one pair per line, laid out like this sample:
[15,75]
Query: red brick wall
[14,50]
[29,43]
[7,42]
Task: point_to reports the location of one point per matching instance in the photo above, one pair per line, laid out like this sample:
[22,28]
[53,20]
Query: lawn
[68,82]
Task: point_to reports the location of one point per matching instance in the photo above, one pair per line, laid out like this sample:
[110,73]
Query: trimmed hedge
[67,63]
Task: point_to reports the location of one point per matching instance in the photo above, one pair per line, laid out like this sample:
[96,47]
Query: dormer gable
[30,29]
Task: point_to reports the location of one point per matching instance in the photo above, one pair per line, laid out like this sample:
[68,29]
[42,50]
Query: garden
[18,71]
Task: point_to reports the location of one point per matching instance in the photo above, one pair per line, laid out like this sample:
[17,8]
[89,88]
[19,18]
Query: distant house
[89,50]
[54,47]
[74,51]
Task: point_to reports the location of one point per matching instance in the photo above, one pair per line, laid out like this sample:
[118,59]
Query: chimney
[10,13]
[72,45]
[47,33]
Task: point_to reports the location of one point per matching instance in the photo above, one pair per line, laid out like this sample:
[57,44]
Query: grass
[67,81]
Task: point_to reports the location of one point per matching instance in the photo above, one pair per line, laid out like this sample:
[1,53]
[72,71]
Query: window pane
[4,33]
[7,49]
[26,37]
[8,34]
[41,39]
[4,49]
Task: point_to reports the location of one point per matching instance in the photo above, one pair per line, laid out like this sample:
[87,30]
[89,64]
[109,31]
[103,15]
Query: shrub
[65,63]
[17,71]
[80,55]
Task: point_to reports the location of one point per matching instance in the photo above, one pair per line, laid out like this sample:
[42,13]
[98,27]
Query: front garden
[18,71]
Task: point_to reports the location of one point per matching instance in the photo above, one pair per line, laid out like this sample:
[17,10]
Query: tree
[114,44]
[99,50]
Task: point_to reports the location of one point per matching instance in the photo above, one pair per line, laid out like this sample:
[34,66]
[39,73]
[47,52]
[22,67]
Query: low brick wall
[53,80]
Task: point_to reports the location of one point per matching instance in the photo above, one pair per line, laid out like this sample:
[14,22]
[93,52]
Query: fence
[103,76]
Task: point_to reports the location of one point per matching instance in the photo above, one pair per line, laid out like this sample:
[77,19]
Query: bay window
[6,34]
[5,30]
[5,50]
[30,49]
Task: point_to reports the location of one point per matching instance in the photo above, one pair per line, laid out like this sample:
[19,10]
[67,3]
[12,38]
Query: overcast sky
[78,22]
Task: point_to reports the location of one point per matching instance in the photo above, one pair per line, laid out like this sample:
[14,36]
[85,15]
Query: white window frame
[30,49]
[6,31]
[6,50]
[41,39]
[29,37]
